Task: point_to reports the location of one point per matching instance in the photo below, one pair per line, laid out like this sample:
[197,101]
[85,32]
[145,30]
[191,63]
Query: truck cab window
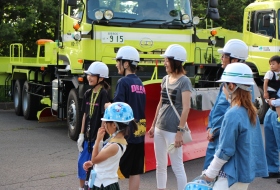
[262,27]
[278,24]
[154,11]
[76,12]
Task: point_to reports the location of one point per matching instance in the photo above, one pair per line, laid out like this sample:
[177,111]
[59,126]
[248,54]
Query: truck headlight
[196,20]
[108,14]
[98,15]
[185,18]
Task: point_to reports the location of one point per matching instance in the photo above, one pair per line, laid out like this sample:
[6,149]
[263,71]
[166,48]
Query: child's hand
[265,95]
[100,134]
[87,165]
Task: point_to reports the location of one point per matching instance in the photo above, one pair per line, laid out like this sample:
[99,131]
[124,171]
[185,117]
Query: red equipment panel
[197,121]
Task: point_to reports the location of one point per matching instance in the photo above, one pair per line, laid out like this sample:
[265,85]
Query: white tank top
[106,171]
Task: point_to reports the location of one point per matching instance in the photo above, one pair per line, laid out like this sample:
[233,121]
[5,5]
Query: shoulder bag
[187,137]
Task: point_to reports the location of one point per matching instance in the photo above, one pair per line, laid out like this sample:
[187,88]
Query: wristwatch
[182,130]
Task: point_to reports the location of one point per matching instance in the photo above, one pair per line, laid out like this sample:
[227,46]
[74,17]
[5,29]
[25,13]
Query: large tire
[74,115]
[17,97]
[261,105]
[30,103]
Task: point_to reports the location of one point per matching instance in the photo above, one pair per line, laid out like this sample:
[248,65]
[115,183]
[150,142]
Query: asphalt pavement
[40,156]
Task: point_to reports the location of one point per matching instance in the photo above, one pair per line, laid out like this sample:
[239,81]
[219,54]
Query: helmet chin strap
[98,82]
[124,69]
[114,134]
[242,86]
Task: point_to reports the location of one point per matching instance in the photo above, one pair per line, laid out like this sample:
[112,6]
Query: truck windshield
[140,12]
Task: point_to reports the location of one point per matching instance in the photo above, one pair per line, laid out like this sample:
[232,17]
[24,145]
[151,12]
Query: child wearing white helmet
[167,128]
[240,156]
[235,50]
[92,108]
[130,89]
[118,117]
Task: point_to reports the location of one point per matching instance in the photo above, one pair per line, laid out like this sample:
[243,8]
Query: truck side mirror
[212,11]
[266,21]
[72,3]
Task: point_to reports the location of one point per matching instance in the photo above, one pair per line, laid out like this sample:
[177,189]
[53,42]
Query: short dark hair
[176,66]
[275,58]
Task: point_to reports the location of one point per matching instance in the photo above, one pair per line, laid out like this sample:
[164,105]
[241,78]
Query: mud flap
[46,115]
[202,102]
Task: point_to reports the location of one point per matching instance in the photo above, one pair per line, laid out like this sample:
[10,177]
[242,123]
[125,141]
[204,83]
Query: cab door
[263,41]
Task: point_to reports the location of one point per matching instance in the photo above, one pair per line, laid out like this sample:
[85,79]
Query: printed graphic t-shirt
[95,120]
[167,119]
[130,89]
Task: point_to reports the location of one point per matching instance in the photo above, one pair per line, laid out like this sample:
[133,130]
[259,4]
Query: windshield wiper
[144,20]
[172,21]
[123,18]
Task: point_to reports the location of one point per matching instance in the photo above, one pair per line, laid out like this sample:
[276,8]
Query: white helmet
[235,48]
[128,53]
[98,68]
[238,73]
[175,51]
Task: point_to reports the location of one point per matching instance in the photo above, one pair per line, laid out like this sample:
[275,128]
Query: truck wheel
[30,103]
[17,97]
[74,115]
[261,105]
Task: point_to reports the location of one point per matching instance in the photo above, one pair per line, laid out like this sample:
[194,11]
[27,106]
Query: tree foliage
[231,13]
[26,21]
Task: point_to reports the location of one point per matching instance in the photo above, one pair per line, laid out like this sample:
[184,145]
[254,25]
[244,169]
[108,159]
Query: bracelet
[182,130]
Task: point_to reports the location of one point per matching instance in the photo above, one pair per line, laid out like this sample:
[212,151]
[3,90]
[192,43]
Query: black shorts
[132,161]
[272,94]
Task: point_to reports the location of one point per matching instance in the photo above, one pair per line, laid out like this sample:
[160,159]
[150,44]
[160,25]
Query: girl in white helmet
[130,89]
[119,122]
[93,110]
[240,156]
[166,128]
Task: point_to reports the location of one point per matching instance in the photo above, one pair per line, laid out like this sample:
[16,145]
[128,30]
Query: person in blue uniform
[240,156]
[130,89]
[234,51]
[272,138]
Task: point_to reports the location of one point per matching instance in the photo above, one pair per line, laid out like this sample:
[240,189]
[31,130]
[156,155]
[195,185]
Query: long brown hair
[176,66]
[244,98]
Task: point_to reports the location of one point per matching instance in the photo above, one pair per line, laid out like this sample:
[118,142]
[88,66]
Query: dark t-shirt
[95,121]
[130,90]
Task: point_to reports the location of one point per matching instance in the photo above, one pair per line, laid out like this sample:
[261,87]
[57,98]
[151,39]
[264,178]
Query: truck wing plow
[46,114]
[201,103]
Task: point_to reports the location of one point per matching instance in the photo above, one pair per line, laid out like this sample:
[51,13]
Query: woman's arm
[186,99]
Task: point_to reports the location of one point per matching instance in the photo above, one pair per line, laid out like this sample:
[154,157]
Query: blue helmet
[198,185]
[118,112]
